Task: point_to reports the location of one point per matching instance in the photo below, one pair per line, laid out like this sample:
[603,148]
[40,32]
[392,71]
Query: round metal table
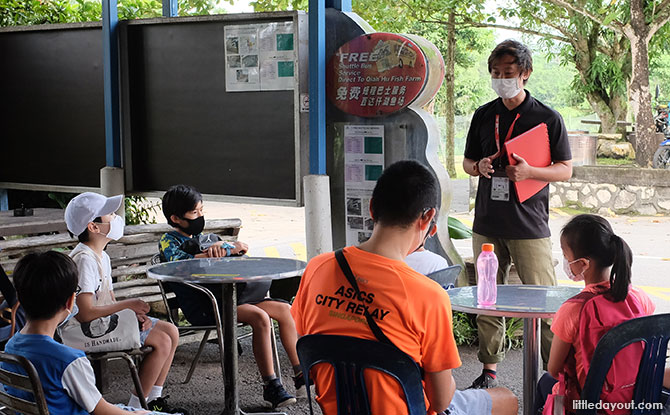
[530,302]
[228,272]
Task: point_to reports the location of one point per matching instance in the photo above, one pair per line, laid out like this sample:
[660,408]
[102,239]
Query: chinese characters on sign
[376,74]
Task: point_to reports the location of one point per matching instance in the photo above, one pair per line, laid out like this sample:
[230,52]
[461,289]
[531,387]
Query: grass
[606,161]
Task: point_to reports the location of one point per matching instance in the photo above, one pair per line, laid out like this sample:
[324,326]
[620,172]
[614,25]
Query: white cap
[84,208]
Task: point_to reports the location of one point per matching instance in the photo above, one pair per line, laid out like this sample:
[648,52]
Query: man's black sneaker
[484,381]
[299,383]
[161,405]
[275,393]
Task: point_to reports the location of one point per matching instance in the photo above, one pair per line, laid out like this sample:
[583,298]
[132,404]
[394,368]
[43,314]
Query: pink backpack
[598,315]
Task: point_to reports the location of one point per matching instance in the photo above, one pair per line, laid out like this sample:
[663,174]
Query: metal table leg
[229,353]
[531,362]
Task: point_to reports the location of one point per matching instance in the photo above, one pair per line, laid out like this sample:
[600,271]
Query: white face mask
[506,88]
[569,273]
[116,227]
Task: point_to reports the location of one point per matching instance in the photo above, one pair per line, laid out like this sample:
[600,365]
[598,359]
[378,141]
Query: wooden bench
[131,255]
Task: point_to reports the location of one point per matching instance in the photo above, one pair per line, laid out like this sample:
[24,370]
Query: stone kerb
[611,190]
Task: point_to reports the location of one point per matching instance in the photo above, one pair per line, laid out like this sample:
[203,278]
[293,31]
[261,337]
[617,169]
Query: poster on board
[363,164]
[260,57]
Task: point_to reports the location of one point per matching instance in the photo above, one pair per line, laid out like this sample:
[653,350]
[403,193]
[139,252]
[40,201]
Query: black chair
[654,332]
[350,356]
[30,382]
[446,277]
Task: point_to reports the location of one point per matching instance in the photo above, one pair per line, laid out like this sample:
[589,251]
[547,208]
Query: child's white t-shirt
[90,266]
[426,262]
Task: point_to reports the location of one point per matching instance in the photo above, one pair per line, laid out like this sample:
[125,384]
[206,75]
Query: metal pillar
[4,201]
[317,87]
[170,8]
[341,5]
[110,60]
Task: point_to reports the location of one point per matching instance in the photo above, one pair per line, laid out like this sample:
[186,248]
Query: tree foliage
[35,12]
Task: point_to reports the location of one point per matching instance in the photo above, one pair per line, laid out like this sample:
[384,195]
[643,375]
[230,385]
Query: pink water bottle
[487,269]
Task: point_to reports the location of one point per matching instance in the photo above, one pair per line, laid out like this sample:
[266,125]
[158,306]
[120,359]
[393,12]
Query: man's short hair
[518,50]
[44,282]
[403,193]
[178,200]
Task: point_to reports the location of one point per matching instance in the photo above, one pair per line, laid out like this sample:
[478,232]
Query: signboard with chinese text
[376,74]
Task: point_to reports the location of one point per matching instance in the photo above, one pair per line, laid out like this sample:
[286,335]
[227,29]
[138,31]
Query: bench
[130,256]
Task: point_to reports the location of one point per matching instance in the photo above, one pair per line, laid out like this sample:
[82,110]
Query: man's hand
[145,322]
[485,166]
[138,306]
[520,171]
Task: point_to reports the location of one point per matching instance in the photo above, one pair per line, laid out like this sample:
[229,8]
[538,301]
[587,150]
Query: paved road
[279,232]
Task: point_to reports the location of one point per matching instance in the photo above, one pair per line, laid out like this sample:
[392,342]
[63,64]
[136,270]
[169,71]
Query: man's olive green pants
[534,264]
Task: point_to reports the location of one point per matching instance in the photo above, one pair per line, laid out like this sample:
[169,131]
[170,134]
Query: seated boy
[415,312]
[182,207]
[91,218]
[46,284]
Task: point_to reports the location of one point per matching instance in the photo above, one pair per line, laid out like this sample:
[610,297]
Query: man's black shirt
[511,219]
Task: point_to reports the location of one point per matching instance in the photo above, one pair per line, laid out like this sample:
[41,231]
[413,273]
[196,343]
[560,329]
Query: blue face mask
[74,312]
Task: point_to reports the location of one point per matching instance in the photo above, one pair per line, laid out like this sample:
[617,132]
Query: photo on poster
[374,145]
[233,45]
[242,75]
[234,61]
[363,236]
[353,206]
[284,41]
[248,44]
[355,222]
[369,224]
[285,69]
[365,206]
[373,172]
[250,61]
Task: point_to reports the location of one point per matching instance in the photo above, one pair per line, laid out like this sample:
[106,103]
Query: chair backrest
[446,277]
[30,382]
[654,331]
[350,356]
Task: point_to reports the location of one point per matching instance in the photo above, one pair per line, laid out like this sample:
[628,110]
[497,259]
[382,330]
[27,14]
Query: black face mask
[195,226]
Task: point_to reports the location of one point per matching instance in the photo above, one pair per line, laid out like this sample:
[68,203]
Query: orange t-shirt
[413,311]
[566,319]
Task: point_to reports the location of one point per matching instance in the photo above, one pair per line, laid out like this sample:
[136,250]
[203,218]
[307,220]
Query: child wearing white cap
[91,218]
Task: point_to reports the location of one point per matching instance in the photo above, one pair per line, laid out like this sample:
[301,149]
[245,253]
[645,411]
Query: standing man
[519,231]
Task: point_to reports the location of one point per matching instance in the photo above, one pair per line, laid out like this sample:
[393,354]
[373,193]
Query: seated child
[594,254]
[182,207]
[91,218]
[46,284]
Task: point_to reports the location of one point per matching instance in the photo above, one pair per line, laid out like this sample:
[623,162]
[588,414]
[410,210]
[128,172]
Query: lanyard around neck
[497,133]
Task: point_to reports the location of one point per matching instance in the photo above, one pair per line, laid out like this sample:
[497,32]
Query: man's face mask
[506,88]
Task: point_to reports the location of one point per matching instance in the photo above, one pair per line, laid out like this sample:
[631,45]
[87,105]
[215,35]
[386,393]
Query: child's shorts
[471,402]
[145,333]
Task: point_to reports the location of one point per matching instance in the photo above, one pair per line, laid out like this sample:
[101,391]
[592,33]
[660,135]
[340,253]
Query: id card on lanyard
[500,181]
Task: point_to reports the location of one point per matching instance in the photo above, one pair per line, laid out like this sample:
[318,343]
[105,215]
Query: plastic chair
[446,277]
[350,356]
[654,331]
[30,382]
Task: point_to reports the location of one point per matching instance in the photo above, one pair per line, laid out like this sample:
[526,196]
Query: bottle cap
[487,247]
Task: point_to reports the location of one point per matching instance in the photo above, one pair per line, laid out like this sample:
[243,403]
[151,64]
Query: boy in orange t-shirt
[413,311]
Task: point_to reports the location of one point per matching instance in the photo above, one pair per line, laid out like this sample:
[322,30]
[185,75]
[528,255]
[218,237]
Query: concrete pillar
[319,234]
[112,183]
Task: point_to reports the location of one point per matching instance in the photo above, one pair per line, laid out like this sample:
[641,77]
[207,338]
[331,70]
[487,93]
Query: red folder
[532,146]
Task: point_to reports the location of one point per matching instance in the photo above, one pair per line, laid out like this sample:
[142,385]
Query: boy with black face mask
[182,207]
